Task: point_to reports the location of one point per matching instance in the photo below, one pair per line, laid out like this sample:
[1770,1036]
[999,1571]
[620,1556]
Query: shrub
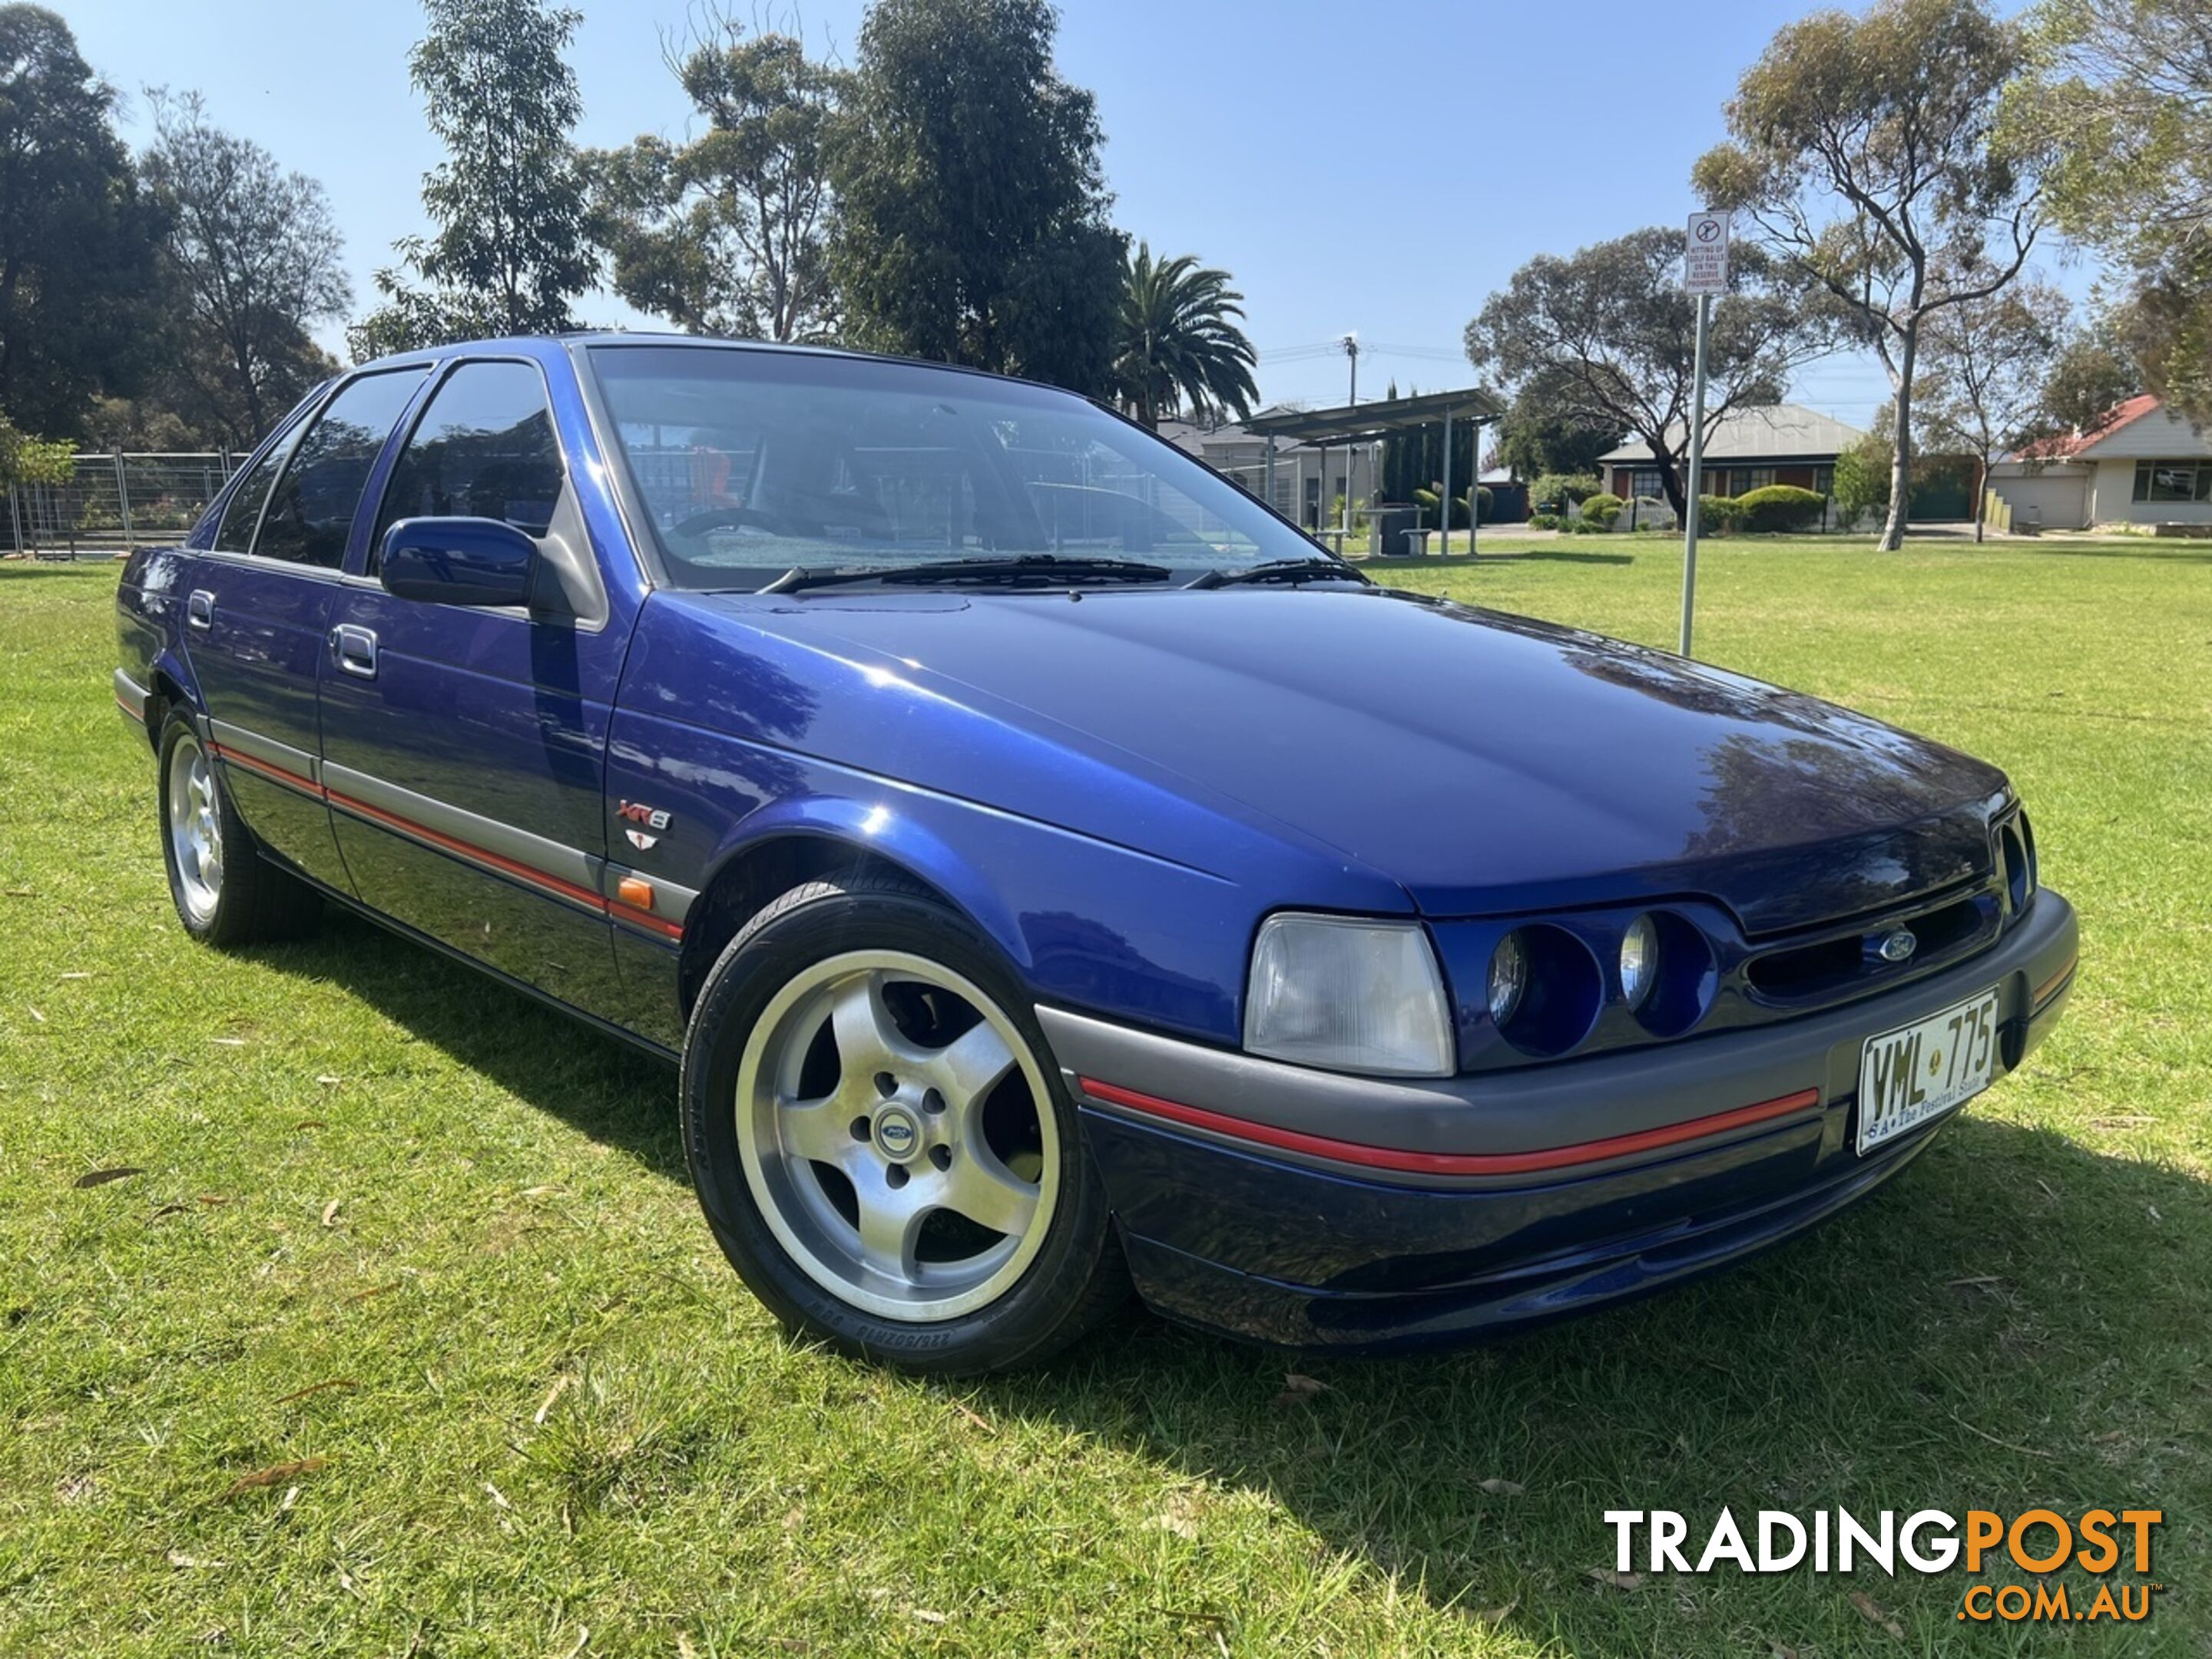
[1862,486]
[1484,505]
[1603,510]
[1581,527]
[1779,506]
[1717,514]
[1555,492]
[1544,521]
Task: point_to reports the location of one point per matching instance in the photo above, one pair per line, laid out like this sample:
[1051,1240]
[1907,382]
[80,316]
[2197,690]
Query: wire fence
[113,503]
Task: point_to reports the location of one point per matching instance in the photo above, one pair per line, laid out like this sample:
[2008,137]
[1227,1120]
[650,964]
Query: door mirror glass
[477,561]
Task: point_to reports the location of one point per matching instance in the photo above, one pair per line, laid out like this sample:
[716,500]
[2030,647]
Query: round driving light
[1639,960]
[1509,977]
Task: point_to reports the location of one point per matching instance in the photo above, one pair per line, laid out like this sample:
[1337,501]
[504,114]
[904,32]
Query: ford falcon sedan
[1054,873]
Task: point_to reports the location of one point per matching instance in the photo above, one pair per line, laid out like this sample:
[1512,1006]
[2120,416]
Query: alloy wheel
[195,824]
[897,1135]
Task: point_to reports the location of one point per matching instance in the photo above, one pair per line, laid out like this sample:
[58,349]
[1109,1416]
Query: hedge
[1779,506]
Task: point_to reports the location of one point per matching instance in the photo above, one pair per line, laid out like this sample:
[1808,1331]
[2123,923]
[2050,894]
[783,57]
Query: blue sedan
[1052,873]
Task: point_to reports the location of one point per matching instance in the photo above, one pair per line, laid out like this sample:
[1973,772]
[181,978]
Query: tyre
[225,892]
[881,1141]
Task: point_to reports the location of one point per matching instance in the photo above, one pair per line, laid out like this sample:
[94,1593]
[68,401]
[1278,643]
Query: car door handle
[356,650]
[199,609]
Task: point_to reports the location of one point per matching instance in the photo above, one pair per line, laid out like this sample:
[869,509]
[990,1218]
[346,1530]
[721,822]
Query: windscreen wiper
[1316,567]
[1031,568]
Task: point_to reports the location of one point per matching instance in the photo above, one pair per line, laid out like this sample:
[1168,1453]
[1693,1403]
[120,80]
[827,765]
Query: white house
[2140,464]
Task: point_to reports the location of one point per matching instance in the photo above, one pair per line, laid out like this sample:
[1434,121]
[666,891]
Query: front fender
[882,831]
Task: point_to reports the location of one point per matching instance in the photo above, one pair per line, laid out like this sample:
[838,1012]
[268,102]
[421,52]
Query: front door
[464,750]
[257,609]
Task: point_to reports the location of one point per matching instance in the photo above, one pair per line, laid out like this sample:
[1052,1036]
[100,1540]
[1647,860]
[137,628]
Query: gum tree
[729,233]
[1607,337]
[509,251]
[2121,92]
[1987,363]
[253,256]
[1861,155]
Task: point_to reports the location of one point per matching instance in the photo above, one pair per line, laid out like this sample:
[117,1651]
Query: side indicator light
[636,892]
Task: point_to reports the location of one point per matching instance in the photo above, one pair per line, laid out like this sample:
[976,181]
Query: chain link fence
[113,503]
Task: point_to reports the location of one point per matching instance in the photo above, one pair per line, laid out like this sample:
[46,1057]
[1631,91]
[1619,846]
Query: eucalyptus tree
[1862,153]
[2120,91]
[1989,364]
[1607,337]
[254,262]
[729,233]
[78,234]
[971,207]
[509,251]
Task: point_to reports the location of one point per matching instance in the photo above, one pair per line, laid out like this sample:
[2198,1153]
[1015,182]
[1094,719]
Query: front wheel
[880,1146]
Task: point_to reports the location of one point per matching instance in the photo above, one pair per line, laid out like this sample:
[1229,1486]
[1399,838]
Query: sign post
[1704,273]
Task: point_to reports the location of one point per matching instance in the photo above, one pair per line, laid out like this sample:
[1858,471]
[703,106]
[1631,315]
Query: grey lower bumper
[1575,1102]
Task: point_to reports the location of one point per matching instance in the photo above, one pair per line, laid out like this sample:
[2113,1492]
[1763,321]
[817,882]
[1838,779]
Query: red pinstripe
[468,850]
[1450,1163]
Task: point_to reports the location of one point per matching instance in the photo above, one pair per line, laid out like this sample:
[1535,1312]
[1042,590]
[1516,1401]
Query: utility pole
[1351,451]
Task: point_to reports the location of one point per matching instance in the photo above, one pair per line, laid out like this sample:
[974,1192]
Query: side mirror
[478,561]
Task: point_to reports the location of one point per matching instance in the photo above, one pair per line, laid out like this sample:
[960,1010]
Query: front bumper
[1314,1210]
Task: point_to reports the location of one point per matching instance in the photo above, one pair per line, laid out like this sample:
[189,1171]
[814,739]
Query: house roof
[2071,446]
[1756,433]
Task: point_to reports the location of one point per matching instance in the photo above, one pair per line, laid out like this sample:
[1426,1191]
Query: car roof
[545,344]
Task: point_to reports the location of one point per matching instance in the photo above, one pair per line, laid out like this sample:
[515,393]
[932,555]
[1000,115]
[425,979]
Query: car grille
[1851,962]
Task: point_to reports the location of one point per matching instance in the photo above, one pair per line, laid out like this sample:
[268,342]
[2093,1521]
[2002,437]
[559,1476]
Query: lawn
[403,1334]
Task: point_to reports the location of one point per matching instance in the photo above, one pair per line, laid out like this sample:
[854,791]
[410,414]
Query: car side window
[235,533]
[311,509]
[483,449]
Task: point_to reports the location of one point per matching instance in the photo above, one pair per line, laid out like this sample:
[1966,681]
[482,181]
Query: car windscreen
[751,462]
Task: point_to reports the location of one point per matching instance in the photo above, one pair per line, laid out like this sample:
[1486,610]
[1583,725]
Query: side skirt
[603,1027]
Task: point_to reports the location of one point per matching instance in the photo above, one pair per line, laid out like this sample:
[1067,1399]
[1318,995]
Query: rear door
[258,604]
[464,750]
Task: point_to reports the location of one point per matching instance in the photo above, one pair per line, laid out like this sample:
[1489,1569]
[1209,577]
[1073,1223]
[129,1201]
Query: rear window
[751,462]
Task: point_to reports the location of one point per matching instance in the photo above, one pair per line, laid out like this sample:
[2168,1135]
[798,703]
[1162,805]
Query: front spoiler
[1255,1232]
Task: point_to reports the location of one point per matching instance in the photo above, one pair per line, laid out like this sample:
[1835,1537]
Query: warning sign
[1705,261]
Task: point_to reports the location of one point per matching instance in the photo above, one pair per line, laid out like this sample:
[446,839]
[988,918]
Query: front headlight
[1353,996]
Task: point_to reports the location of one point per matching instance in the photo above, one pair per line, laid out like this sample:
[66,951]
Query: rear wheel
[225,892]
[881,1144]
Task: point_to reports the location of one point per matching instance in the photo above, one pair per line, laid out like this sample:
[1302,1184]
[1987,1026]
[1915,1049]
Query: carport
[1353,424]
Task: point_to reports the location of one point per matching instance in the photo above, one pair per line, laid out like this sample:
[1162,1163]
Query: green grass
[555,1422]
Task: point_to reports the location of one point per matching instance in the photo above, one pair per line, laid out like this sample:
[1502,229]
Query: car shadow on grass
[620,1096]
[2014,1320]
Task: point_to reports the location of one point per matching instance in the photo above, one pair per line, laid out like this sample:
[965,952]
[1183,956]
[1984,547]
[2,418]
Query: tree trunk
[1981,494]
[1671,481]
[1900,463]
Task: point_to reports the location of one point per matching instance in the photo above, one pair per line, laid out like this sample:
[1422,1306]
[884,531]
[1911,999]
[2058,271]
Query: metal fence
[114,502]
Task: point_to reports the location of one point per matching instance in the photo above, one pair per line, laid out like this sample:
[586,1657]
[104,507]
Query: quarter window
[311,512]
[483,449]
[235,533]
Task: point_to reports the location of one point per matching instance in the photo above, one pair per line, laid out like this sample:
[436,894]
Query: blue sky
[1379,167]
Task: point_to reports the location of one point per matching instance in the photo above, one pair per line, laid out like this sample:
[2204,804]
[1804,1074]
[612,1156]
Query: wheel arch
[168,690]
[749,874]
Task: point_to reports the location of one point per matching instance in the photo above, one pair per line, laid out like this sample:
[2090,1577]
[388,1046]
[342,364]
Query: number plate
[1921,1071]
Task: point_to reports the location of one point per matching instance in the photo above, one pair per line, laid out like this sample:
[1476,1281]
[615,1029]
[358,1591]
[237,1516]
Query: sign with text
[1705,263]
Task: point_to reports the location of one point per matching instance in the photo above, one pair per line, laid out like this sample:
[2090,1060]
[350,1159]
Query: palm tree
[1180,344]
